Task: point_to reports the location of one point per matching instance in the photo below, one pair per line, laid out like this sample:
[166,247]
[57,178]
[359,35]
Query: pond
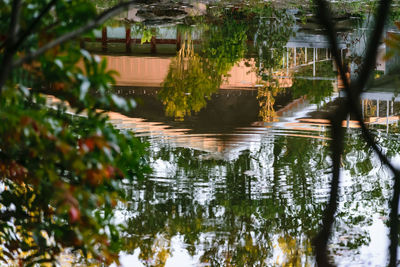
[234,101]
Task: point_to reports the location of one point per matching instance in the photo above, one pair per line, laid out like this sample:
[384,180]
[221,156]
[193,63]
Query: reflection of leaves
[192,79]
[225,44]
[293,251]
[266,97]
[230,214]
[188,83]
[273,33]
[147,34]
[315,90]
[286,215]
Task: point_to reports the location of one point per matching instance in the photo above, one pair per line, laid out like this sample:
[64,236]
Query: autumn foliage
[63,166]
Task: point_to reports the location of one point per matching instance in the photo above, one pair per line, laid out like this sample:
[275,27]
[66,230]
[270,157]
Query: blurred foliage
[105,3]
[395,12]
[61,175]
[147,32]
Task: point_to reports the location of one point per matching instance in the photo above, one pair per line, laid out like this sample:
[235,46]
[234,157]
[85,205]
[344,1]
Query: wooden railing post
[104,39]
[128,39]
[153,45]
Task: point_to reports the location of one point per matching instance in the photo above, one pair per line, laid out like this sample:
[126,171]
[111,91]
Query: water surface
[234,102]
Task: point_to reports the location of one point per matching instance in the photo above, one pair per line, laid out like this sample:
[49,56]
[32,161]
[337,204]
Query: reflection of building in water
[380,102]
[176,137]
[139,71]
[151,71]
[221,145]
[305,51]
[302,50]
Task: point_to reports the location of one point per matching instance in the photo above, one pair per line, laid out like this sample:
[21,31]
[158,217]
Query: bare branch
[370,59]
[352,105]
[321,240]
[394,222]
[71,35]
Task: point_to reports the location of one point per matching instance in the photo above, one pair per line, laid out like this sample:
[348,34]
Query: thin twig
[321,240]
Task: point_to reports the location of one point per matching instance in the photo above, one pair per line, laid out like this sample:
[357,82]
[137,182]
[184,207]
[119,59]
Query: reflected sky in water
[234,102]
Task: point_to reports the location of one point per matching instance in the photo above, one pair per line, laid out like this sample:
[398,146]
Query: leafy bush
[61,175]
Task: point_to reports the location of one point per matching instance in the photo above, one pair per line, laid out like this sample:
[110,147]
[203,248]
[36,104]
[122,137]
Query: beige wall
[139,71]
[151,71]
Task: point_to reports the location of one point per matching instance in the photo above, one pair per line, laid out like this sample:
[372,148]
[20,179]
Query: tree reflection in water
[193,78]
[274,28]
[264,206]
[188,84]
[260,209]
[266,99]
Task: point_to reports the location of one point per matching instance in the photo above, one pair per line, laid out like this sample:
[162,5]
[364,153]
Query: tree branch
[33,24]
[354,91]
[321,240]
[71,35]
[14,23]
[7,61]
[368,65]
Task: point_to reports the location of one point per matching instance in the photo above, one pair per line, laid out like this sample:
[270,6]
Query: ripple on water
[272,182]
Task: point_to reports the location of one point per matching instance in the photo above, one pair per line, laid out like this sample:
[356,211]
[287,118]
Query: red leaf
[74,214]
[89,143]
